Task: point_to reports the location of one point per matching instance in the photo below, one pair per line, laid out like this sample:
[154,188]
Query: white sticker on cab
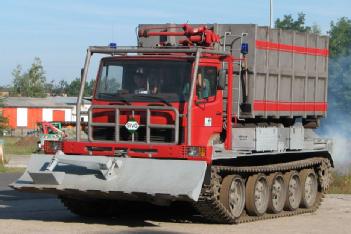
[208,122]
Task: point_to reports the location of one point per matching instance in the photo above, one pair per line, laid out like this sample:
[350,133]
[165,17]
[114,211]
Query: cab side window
[206,82]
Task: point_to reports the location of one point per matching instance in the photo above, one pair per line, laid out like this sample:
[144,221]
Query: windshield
[151,81]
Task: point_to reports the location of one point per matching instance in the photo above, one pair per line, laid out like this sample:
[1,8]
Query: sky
[59,32]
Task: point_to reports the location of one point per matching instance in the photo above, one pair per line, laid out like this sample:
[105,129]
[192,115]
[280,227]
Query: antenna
[271,13]
[113,32]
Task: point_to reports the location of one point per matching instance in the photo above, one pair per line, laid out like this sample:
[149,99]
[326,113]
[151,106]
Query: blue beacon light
[113,45]
[244,48]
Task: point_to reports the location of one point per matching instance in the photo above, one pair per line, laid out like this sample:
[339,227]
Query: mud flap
[176,179]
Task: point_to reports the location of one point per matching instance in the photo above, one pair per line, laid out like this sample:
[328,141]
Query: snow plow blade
[114,178]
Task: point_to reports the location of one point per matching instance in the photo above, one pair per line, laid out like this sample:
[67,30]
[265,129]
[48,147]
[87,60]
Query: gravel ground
[38,213]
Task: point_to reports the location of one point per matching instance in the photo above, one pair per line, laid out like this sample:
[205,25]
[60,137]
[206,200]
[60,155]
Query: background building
[23,113]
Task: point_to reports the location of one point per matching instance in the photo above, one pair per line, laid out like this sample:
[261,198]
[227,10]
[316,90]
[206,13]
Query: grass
[10,169]
[19,145]
[341,183]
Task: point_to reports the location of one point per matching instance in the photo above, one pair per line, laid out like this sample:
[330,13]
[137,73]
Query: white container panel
[243,138]
[266,139]
[297,138]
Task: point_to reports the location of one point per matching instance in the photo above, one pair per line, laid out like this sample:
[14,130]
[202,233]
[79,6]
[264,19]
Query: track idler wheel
[232,194]
[257,194]
[309,184]
[278,192]
[294,193]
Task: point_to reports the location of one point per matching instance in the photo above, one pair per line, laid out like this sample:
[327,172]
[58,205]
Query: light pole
[271,13]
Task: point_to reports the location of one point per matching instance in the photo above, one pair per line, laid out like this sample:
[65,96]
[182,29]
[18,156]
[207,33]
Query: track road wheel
[309,184]
[257,194]
[277,192]
[89,208]
[232,194]
[293,196]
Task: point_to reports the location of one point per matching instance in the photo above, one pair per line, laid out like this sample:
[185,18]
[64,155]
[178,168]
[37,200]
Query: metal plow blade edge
[170,179]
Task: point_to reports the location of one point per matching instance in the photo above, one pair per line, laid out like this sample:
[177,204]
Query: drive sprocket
[325,175]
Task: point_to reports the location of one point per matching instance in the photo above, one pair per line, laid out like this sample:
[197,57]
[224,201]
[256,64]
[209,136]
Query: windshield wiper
[153,97]
[115,97]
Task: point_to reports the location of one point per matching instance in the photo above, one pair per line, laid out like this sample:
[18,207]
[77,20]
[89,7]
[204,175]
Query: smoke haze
[337,125]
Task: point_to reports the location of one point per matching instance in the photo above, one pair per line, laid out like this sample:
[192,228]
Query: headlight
[195,151]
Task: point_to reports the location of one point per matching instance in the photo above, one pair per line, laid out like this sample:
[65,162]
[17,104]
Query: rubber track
[211,209]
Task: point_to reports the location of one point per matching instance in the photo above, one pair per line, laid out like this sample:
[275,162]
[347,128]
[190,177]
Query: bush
[341,183]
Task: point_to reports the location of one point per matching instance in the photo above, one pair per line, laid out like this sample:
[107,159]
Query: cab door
[207,113]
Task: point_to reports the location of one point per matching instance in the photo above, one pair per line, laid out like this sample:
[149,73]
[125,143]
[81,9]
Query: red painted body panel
[211,107]
[267,45]
[108,115]
[133,150]
[289,106]
[228,141]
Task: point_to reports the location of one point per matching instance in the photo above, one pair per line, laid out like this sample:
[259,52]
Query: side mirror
[222,79]
[81,74]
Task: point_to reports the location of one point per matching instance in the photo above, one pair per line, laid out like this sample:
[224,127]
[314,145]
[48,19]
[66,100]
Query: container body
[284,73]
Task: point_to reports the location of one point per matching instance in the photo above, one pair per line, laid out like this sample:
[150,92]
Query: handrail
[156,50]
[192,93]
[81,93]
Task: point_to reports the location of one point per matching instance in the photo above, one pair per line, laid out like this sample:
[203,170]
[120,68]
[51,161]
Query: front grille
[147,132]
[156,135]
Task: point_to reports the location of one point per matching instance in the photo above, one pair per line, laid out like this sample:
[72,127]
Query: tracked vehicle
[220,116]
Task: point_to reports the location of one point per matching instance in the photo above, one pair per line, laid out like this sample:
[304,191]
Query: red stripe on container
[267,45]
[259,105]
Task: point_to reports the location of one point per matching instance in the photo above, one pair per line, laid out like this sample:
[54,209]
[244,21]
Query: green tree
[339,88]
[74,87]
[316,29]
[18,82]
[3,119]
[340,83]
[339,65]
[288,22]
[61,88]
[340,37]
[50,87]
[30,83]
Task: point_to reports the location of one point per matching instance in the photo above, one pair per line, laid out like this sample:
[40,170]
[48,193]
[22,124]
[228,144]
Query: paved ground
[18,160]
[37,213]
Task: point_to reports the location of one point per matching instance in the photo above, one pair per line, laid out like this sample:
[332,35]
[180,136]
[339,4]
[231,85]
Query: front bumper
[114,178]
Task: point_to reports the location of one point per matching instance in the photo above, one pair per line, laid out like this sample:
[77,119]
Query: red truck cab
[141,103]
